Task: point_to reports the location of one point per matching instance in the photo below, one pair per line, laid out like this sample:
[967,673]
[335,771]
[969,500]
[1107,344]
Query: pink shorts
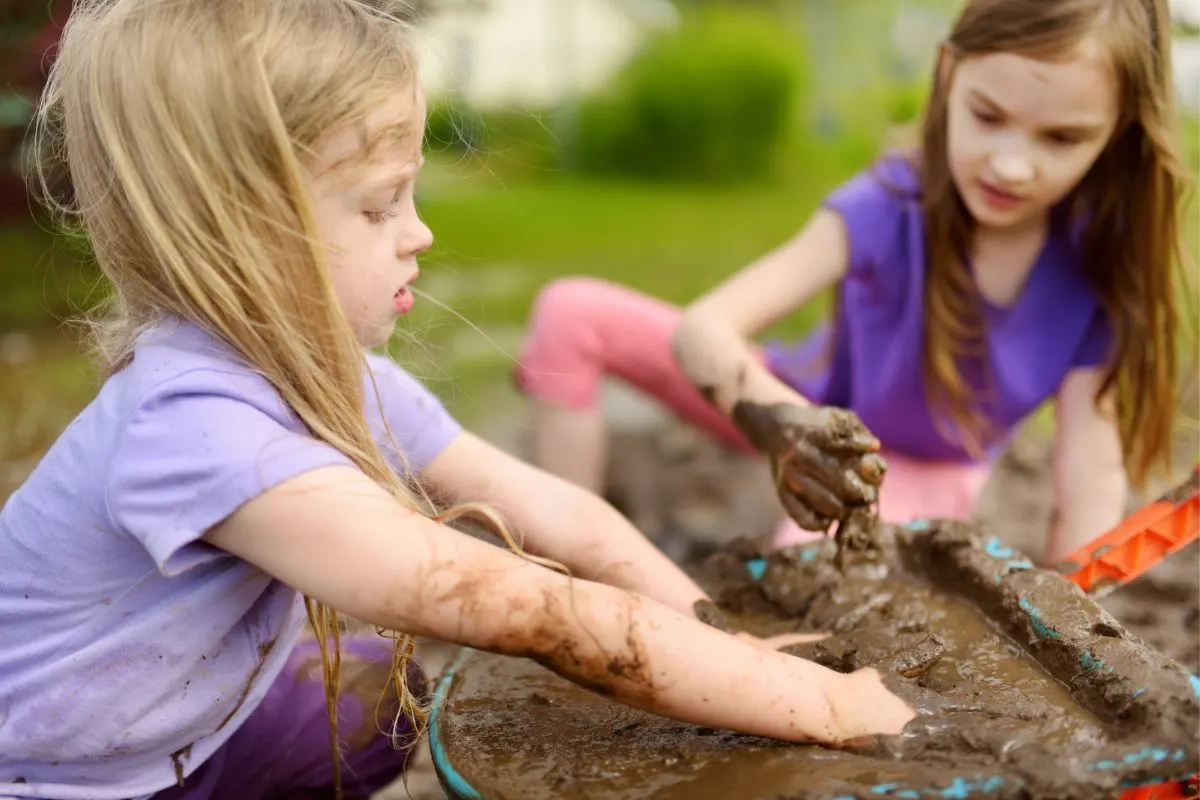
[583,330]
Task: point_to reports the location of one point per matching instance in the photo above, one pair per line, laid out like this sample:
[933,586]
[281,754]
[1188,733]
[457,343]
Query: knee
[562,354]
[565,309]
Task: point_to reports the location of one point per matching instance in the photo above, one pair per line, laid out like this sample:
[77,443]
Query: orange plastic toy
[1140,541]
[1143,539]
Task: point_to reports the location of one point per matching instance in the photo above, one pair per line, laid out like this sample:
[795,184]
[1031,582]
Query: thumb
[786,639]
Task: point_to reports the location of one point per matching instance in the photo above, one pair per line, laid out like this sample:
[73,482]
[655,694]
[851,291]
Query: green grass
[500,239]
[43,278]
[672,241]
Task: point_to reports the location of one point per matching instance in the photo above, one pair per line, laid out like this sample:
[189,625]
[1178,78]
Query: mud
[1027,689]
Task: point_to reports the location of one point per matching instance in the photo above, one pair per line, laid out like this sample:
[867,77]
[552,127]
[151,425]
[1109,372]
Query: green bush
[713,100]
[521,137]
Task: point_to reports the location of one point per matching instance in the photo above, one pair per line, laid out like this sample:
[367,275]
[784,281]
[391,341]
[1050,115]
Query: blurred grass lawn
[498,240]
[500,237]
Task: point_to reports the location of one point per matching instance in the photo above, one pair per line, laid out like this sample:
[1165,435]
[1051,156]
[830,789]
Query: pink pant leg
[913,490]
[583,329]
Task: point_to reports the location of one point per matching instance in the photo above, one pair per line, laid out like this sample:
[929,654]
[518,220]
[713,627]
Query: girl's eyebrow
[975,94]
[1083,125]
[395,175]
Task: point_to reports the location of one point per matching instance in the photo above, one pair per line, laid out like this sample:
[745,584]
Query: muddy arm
[558,520]
[712,341]
[335,535]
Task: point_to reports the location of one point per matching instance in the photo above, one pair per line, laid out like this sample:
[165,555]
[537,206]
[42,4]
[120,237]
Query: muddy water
[1027,690]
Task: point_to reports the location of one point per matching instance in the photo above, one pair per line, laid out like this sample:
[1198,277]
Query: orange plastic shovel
[1140,541]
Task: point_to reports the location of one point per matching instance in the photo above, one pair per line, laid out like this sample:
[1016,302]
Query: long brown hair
[189,130]
[1129,203]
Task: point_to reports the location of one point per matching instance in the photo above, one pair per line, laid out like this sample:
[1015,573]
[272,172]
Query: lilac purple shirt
[130,648]
[875,367]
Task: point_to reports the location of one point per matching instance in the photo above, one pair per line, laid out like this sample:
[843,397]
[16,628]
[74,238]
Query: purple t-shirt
[129,648]
[875,367]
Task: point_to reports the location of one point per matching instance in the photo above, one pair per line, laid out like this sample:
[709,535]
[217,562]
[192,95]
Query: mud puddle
[1027,690]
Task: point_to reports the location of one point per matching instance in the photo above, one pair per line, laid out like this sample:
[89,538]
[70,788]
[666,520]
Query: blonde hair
[187,129]
[1132,252]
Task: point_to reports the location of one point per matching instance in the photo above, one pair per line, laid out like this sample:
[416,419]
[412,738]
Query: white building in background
[532,52]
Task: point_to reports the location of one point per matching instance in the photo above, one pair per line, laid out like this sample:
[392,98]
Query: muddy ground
[692,497]
[1026,689]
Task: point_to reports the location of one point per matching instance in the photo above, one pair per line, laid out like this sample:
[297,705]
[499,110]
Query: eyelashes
[991,120]
[380,217]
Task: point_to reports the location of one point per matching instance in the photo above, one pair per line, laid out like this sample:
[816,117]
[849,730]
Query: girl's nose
[1013,166]
[416,240]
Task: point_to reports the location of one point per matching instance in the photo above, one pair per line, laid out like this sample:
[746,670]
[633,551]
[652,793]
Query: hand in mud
[782,640]
[923,701]
[873,709]
[710,614]
[824,460]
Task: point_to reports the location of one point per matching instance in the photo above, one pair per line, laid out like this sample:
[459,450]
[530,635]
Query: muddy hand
[781,641]
[876,709]
[824,460]
[710,614]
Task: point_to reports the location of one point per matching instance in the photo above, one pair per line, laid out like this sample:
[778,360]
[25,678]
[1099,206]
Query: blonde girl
[244,171]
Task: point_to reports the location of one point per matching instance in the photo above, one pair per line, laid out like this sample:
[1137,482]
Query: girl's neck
[1003,258]
[1032,230]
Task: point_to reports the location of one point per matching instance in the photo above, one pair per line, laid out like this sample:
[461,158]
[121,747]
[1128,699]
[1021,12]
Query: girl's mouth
[404,300]
[997,198]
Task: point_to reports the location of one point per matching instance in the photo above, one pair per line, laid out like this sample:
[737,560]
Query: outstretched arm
[822,458]
[1090,488]
[712,343]
[557,519]
[341,539]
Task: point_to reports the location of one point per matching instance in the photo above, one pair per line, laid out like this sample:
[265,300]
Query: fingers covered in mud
[839,430]
[824,459]
[802,515]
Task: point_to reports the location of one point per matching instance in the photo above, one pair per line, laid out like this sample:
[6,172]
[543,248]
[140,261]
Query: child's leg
[913,490]
[283,748]
[581,330]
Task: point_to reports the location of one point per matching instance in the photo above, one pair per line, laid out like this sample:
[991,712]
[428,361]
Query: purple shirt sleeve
[198,446]
[870,205]
[419,424]
[193,451]
[1097,345]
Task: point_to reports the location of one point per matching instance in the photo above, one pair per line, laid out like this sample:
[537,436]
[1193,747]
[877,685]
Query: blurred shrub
[524,138]
[713,100]
[906,101]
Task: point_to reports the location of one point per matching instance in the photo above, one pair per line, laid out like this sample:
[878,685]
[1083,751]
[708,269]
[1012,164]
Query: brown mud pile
[1027,689]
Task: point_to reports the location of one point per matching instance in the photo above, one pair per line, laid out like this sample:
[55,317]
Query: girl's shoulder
[880,209]
[889,186]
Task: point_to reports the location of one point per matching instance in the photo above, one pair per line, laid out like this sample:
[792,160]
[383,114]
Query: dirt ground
[691,496]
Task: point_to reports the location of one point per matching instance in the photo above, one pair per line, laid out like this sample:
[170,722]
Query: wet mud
[1026,687]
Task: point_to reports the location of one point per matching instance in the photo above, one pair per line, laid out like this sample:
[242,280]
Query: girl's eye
[380,217]
[986,117]
[1064,139]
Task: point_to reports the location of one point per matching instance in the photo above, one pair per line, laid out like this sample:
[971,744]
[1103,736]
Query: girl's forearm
[581,530]
[1088,502]
[615,553]
[654,658]
[724,366]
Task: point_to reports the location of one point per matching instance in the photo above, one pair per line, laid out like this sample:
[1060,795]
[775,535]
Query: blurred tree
[29,29]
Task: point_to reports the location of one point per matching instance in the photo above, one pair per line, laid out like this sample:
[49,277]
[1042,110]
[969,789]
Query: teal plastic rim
[453,782]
